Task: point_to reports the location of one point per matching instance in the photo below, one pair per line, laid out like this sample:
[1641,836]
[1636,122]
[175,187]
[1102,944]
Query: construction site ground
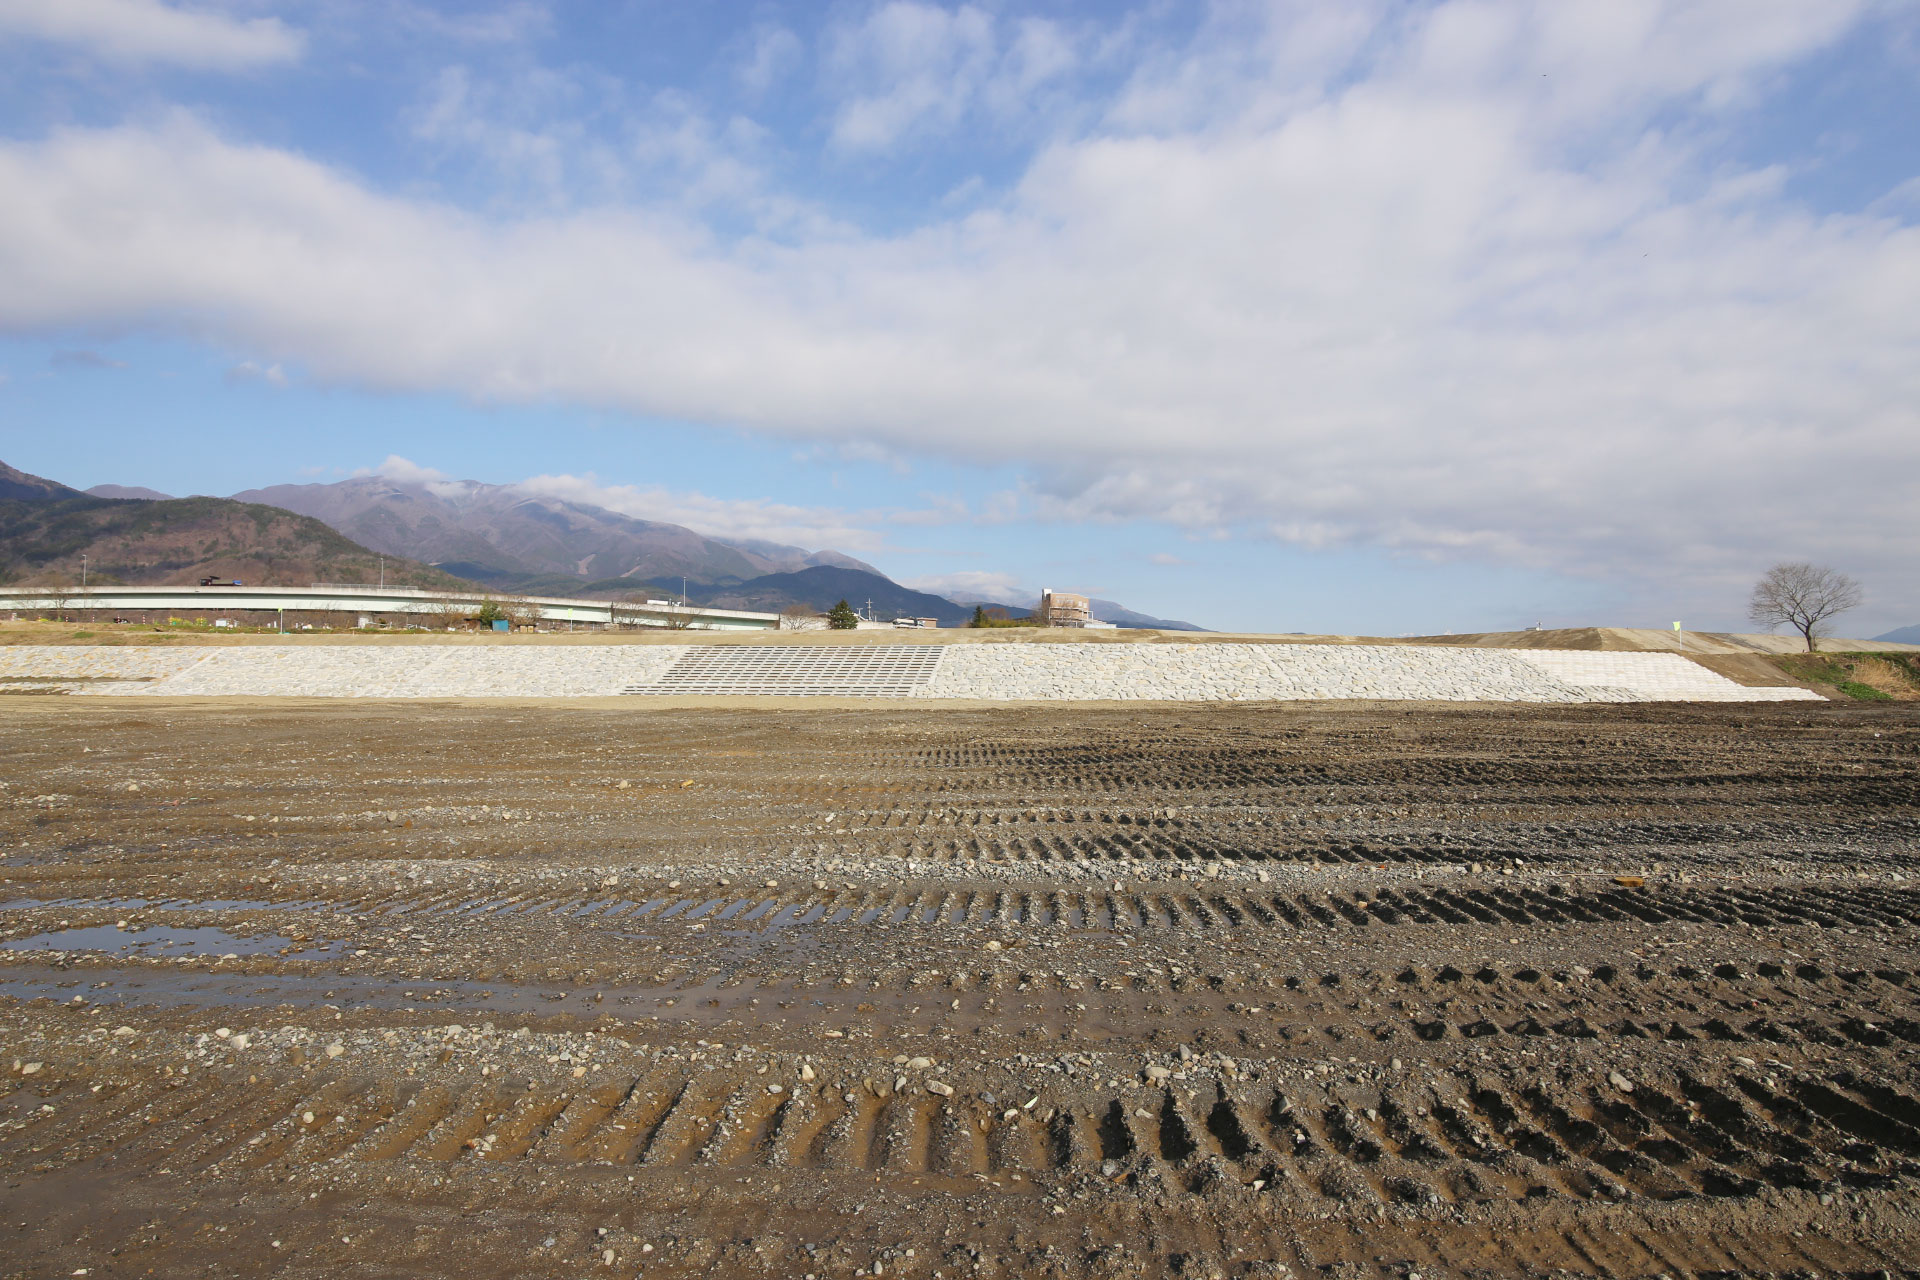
[1307,989]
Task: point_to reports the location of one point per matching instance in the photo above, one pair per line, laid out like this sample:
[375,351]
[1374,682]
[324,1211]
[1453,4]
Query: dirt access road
[1340,989]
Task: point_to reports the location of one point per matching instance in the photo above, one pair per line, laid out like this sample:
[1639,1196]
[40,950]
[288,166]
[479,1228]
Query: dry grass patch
[1895,679]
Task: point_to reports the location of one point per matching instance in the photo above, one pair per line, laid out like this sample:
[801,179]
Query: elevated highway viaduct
[397,604]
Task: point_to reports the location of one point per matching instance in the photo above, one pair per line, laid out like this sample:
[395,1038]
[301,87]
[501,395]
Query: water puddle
[154,940]
[708,1003]
[767,913]
[169,904]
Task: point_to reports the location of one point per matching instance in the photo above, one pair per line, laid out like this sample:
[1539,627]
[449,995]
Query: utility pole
[383,573]
[83,572]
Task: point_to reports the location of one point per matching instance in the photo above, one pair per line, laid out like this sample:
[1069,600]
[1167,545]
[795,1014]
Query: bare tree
[449,613]
[60,593]
[1803,595]
[799,617]
[521,611]
[666,614]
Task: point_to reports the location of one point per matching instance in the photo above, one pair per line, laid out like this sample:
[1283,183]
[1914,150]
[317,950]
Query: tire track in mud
[1447,1137]
[1398,904]
[1213,991]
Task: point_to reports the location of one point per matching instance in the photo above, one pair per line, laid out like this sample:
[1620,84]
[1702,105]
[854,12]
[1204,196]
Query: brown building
[1058,609]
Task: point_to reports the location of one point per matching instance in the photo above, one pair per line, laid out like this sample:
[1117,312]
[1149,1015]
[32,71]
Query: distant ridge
[46,527]
[518,540]
[452,533]
[1120,616]
[511,537]
[21,486]
[823,586]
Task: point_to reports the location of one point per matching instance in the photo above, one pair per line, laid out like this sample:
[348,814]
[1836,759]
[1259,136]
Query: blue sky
[1341,316]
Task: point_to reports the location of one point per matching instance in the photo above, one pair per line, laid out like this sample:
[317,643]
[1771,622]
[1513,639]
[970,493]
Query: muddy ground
[1310,989]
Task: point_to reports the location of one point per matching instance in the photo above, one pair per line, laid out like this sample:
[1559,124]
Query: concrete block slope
[1253,672]
[91,668]
[1242,672]
[1650,677]
[1001,673]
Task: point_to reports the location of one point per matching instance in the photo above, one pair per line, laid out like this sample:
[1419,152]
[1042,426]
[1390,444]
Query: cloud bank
[1465,280]
[745,519]
[147,31]
[969,586]
[742,519]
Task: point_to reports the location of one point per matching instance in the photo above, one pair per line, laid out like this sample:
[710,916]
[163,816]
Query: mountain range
[53,534]
[510,538]
[436,532]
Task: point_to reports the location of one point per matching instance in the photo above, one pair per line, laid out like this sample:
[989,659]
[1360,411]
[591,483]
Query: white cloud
[83,359]
[526,132]
[813,528]
[935,509]
[1901,202]
[136,31]
[405,471]
[402,470]
[545,139]
[907,67]
[247,371]
[1438,284]
[972,585]
[511,23]
[775,51]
